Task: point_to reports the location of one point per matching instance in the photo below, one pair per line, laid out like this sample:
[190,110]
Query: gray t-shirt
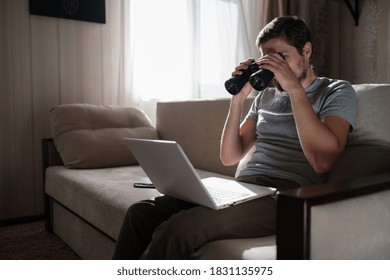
[278,151]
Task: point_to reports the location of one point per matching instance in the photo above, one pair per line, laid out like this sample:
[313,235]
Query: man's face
[300,64]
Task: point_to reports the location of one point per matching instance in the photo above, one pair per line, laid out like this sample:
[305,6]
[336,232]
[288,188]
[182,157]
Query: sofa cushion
[91,136]
[101,196]
[358,161]
[197,126]
[368,146]
[261,248]
[372,126]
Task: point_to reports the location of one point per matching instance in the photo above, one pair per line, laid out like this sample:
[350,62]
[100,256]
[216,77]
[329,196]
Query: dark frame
[84,10]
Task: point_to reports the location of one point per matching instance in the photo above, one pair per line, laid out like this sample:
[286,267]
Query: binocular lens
[258,78]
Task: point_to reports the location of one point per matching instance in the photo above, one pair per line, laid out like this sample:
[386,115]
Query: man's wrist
[238,99]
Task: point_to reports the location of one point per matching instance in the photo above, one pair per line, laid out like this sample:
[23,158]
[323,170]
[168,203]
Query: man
[299,131]
[308,118]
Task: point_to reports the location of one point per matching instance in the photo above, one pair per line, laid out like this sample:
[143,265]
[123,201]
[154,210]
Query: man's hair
[291,29]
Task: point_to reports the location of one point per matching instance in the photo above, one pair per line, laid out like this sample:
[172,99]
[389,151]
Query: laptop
[171,172]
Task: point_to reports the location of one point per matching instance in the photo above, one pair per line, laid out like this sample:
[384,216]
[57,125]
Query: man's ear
[307,49]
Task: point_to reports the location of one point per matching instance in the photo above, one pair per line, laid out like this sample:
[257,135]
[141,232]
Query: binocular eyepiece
[257,77]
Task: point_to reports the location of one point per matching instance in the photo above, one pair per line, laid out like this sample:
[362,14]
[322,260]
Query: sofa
[89,175]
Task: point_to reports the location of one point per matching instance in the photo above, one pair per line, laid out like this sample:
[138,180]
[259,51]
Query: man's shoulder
[325,87]
[335,84]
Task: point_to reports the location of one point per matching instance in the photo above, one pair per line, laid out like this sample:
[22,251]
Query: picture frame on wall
[84,10]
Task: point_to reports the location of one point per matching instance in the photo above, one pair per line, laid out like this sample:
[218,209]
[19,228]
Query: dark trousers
[168,228]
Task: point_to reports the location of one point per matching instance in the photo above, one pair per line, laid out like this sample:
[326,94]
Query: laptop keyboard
[221,195]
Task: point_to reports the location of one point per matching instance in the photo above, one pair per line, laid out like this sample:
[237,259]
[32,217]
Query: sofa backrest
[197,126]
[372,123]
[368,148]
[91,136]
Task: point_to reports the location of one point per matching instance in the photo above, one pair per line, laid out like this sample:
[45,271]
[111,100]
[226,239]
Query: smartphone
[144,185]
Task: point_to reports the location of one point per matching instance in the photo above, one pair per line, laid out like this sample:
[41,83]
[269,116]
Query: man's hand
[285,76]
[246,90]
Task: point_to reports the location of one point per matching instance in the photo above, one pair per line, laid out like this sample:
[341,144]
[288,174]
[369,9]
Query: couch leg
[48,214]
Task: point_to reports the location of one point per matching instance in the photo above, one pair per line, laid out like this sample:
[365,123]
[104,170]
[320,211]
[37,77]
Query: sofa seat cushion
[101,196]
[91,136]
[262,248]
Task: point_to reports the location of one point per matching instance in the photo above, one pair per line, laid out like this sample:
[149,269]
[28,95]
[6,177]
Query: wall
[47,61]
[44,62]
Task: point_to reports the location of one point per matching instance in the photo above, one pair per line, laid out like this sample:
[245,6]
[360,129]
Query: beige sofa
[89,176]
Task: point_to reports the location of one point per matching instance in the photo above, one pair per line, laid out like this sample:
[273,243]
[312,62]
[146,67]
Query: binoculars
[257,77]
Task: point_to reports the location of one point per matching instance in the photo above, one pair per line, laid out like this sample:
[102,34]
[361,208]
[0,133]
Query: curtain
[223,34]
[125,93]
[187,49]
[276,8]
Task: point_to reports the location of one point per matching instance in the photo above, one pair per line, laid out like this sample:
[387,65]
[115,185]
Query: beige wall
[47,61]
[44,62]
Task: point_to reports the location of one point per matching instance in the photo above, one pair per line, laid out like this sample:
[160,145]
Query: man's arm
[237,139]
[323,140]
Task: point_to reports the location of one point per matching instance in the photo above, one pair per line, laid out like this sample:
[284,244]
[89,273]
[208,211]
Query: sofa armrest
[335,220]
[50,155]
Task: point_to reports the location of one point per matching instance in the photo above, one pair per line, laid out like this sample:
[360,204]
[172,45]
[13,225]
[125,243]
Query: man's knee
[178,234]
[171,240]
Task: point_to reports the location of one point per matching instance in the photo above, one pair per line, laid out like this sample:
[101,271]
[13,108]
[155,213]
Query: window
[161,50]
[187,49]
